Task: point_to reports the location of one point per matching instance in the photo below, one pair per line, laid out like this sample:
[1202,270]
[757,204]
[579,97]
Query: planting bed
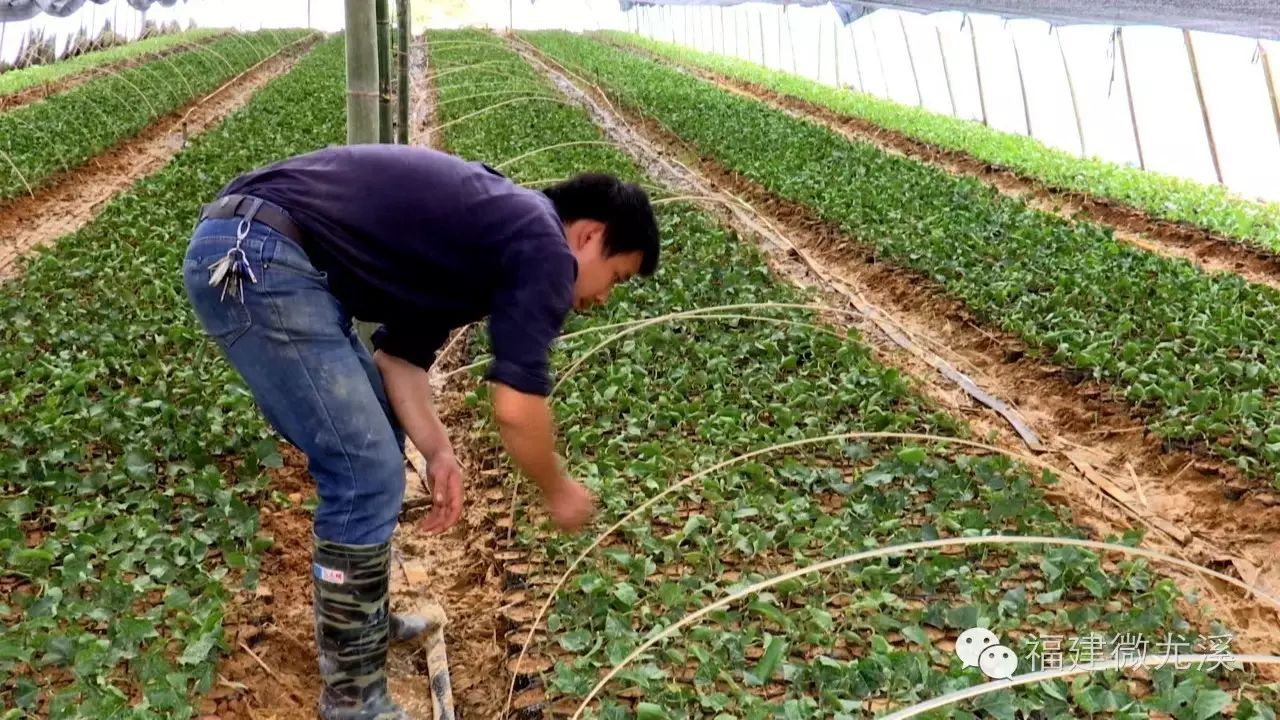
[673,399]
[66,130]
[141,458]
[1195,351]
[1210,209]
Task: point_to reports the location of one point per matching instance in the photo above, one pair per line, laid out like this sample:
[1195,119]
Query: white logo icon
[980,648]
[998,662]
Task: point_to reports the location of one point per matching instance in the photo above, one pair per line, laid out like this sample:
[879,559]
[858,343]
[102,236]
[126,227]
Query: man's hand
[528,432]
[446,494]
[571,505]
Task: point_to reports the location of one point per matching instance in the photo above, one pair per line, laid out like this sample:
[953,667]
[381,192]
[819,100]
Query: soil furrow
[72,199]
[1116,475]
[457,570]
[1203,248]
[35,93]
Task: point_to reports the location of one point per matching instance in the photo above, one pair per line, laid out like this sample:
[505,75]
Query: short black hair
[623,207]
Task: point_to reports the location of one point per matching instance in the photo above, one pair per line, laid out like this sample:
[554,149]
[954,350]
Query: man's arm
[409,391]
[528,433]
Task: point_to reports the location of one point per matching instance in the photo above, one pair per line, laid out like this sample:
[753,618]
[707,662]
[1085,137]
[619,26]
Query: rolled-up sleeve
[528,313]
[418,346]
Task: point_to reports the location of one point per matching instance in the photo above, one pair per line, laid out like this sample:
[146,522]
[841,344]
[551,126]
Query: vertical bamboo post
[383,19]
[835,49]
[781,10]
[763,60]
[1128,89]
[1204,107]
[308,14]
[362,92]
[1269,75]
[404,22]
[977,68]
[362,72]
[857,64]
[791,43]
[1071,86]
[1022,83]
[818,73]
[911,58]
[875,40]
[723,38]
[946,72]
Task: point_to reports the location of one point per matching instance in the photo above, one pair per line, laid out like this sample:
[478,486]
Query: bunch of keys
[230,272]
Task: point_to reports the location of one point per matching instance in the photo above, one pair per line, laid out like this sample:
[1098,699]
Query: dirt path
[72,199]
[1201,247]
[1115,476]
[460,569]
[35,93]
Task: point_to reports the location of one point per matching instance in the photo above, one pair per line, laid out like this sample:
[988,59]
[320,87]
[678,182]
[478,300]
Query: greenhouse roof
[1250,18]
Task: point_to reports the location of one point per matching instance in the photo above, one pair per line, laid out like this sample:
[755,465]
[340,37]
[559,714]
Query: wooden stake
[1204,107]
[1022,83]
[946,72]
[911,59]
[1128,89]
[977,70]
[1269,76]
[1071,85]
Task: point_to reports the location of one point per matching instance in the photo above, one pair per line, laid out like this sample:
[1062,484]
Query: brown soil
[44,90]
[1210,251]
[72,199]
[458,569]
[1115,474]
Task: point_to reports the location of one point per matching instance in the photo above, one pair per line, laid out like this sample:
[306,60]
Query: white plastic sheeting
[871,54]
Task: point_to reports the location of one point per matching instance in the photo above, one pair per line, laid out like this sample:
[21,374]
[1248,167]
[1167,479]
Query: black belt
[269,214]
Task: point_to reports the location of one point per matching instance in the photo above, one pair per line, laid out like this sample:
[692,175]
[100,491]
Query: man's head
[611,231]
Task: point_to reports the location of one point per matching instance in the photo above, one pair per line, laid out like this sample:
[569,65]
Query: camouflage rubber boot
[352,630]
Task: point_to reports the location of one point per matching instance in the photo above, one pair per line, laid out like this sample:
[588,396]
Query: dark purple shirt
[424,242]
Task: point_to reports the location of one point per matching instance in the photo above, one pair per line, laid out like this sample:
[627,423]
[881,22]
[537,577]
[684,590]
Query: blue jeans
[295,346]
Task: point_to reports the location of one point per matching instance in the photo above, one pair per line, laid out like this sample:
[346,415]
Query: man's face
[597,274]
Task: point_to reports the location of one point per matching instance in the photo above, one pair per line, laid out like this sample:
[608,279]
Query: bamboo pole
[1204,107]
[977,68]
[1022,83]
[818,74]
[404,21]
[723,38]
[1071,86]
[1269,75]
[781,9]
[946,72]
[791,43]
[362,73]
[1128,89]
[857,64]
[911,59]
[383,20]
[875,40]
[835,49]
